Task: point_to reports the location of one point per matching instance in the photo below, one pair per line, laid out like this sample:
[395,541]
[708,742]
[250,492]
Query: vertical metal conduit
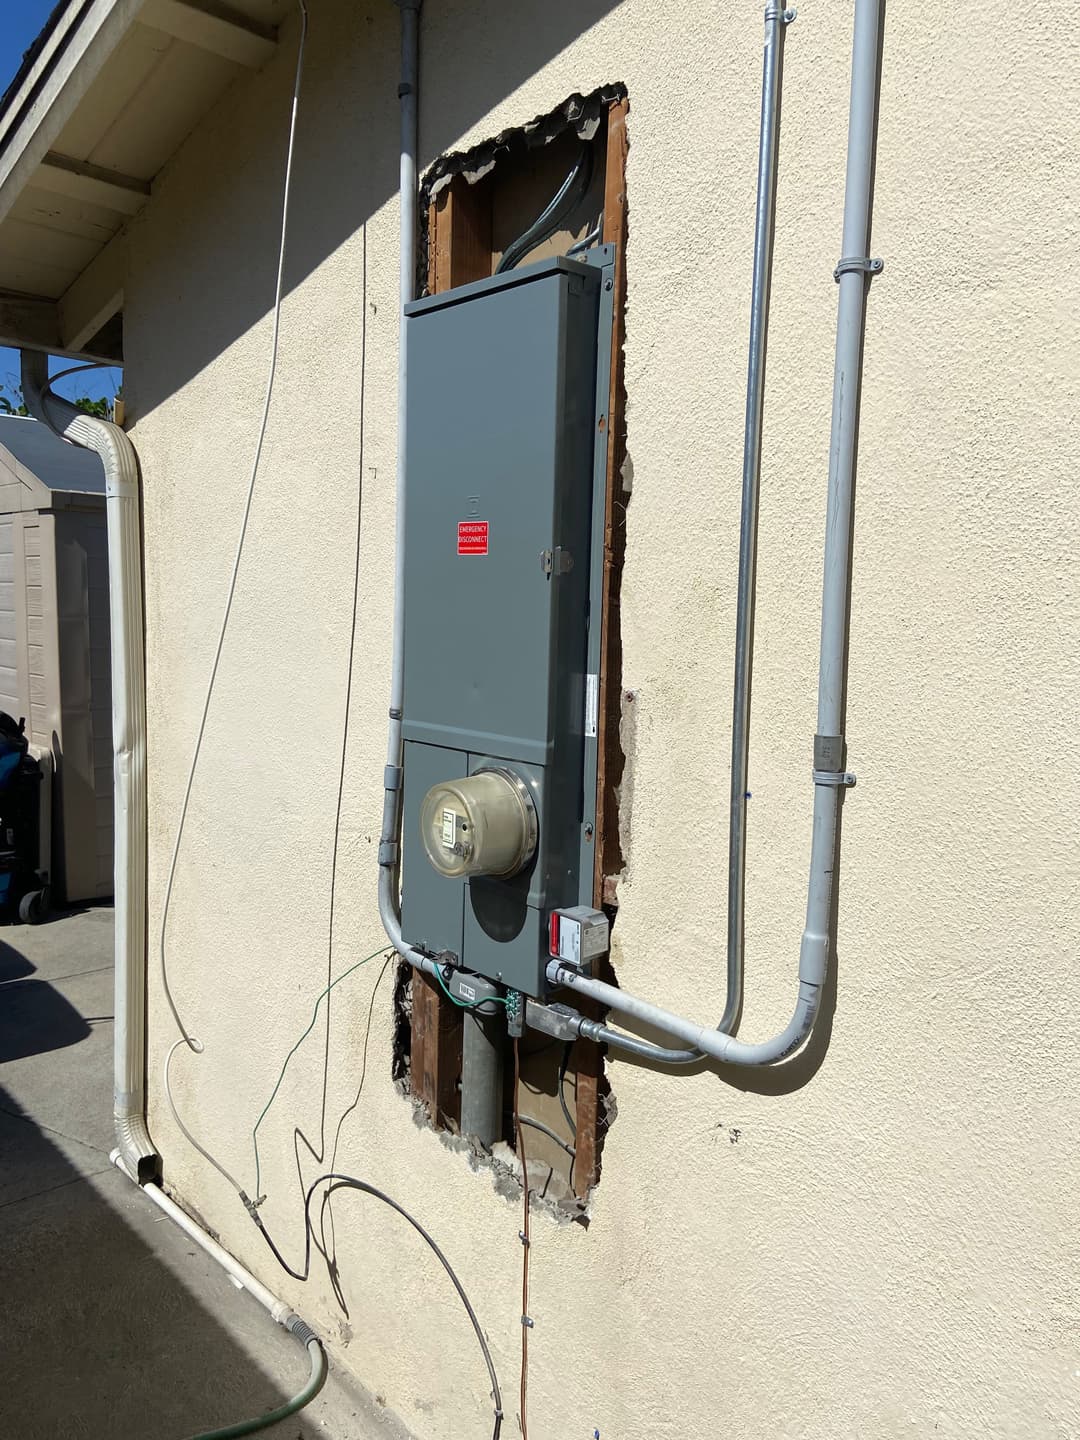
[777,20]
[831,779]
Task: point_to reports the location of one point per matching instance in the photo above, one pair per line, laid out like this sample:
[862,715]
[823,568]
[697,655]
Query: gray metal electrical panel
[505,448]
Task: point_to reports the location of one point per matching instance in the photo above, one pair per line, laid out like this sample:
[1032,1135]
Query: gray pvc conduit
[830,778]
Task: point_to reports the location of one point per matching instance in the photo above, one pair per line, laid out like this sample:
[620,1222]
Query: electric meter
[482,825]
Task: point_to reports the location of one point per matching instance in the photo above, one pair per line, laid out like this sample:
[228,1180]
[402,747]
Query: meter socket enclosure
[505,463]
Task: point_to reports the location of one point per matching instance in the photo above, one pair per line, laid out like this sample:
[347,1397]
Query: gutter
[75,46]
[50,42]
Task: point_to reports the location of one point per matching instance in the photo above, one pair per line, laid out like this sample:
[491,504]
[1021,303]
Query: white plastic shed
[54,639]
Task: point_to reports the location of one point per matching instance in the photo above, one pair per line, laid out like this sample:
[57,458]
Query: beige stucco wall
[882,1241]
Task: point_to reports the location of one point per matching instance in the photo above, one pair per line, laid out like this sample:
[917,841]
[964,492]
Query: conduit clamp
[858,263]
[786,14]
[834,777]
[389,851]
[392,777]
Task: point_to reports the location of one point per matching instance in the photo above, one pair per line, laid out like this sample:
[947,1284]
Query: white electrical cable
[187,1037]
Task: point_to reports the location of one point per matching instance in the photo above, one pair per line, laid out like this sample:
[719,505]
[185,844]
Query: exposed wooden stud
[213,26]
[462,234]
[435,1053]
[608,855]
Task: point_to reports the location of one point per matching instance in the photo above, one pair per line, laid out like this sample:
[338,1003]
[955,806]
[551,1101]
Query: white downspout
[135,1153]
[123,515]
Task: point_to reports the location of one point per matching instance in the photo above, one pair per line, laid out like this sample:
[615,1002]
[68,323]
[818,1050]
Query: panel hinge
[556,562]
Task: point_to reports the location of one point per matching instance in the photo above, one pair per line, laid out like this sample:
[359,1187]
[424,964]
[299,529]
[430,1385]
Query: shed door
[9,678]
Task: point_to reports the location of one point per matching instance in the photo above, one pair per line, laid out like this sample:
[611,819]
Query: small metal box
[501,485]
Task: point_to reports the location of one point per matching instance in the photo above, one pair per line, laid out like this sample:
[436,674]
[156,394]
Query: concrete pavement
[116,1327]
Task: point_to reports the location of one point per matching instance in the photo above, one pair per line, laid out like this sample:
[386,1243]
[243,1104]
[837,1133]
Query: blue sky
[20,23]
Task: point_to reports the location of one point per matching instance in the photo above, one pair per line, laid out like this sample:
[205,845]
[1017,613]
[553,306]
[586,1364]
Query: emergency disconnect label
[472,537]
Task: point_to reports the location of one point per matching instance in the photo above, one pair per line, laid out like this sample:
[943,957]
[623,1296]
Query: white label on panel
[592,704]
[569,940]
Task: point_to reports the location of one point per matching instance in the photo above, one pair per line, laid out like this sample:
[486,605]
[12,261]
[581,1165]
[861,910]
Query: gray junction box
[505,455]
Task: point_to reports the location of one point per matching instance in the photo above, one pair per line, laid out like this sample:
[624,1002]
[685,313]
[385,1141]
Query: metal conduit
[777,20]
[830,778]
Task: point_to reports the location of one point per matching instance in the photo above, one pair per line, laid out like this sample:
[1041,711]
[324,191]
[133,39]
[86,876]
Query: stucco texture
[881,1238]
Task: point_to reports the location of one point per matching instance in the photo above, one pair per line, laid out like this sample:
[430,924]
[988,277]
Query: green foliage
[11,403]
[8,405]
[102,408]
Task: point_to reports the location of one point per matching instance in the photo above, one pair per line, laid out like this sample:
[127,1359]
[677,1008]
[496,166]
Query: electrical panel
[505,460]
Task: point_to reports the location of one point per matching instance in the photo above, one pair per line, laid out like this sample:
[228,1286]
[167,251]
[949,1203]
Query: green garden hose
[315,1383]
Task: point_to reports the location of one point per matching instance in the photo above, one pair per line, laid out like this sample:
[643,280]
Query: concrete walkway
[115,1326]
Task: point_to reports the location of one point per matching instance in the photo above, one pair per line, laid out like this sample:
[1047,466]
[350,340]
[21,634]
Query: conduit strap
[849,263]
[834,777]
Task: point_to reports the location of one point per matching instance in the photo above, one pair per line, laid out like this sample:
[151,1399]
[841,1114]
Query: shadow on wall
[102,1338]
[790,1075]
[782,1079]
[345,170]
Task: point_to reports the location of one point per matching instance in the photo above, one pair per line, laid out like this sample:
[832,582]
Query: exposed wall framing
[458,250]
[472,204]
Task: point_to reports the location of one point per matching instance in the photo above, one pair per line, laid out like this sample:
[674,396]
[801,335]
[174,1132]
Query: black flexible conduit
[334,1181]
[569,195]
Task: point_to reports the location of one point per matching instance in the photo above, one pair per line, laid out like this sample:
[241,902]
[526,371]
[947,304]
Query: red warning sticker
[472,537]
